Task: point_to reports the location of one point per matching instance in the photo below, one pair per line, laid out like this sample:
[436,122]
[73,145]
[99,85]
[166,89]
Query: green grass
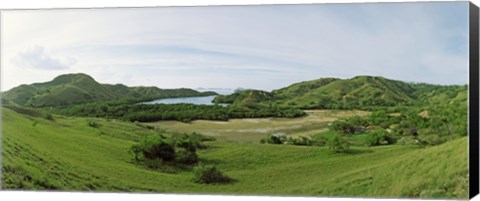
[68,154]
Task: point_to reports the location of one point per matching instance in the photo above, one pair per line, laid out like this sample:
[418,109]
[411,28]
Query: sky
[261,47]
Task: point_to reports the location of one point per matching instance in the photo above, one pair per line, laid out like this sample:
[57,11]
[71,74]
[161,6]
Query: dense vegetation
[155,151]
[180,112]
[168,153]
[415,125]
[70,89]
[425,125]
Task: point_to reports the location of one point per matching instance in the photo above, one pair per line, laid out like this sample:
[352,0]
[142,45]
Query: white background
[29,4]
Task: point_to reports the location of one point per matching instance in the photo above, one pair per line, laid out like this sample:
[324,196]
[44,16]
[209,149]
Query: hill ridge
[77,88]
[356,92]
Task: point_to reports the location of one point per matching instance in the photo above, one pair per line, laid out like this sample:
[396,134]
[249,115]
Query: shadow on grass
[358,151]
[351,152]
[210,161]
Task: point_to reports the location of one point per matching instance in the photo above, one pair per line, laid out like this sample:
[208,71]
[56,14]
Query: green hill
[245,98]
[79,88]
[357,92]
[68,154]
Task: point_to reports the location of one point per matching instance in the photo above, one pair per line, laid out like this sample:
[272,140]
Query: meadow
[67,153]
[254,129]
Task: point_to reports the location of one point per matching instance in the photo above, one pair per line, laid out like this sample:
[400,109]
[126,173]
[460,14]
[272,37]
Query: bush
[431,139]
[408,140]
[343,127]
[49,116]
[93,124]
[184,156]
[275,139]
[209,175]
[320,140]
[284,139]
[186,150]
[339,144]
[301,141]
[378,137]
[156,151]
[153,148]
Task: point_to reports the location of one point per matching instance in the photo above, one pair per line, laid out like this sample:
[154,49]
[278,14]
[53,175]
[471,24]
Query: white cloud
[262,46]
[37,58]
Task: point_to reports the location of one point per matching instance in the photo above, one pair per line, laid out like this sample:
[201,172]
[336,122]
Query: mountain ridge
[323,93]
[77,88]
[355,92]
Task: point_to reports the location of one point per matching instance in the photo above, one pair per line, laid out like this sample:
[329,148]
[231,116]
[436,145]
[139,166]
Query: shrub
[186,148]
[152,149]
[184,156]
[339,144]
[408,140]
[343,127]
[301,141]
[49,116]
[284,139]
[431,139]
[275,139]
[320,140]
[377,137]
[93,124]
[209,175]
[156,151]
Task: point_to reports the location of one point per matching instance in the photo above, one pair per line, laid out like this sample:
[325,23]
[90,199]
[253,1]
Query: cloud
[230,46]
[37,58]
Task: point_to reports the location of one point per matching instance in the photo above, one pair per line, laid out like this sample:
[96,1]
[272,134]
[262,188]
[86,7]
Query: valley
[67,154]
[365,136]
[254,129]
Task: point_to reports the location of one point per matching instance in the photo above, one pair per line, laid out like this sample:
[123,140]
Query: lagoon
[202,100]
[197,100]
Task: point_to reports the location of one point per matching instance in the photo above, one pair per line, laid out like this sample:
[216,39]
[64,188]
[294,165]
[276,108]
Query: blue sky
[263,47]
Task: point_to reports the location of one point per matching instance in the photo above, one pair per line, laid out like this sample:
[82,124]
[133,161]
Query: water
[198,100]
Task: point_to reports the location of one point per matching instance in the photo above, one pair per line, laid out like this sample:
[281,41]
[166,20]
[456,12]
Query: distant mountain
[79,88]
[357,92]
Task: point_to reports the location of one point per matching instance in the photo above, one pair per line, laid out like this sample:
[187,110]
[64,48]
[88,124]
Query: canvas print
[324,100]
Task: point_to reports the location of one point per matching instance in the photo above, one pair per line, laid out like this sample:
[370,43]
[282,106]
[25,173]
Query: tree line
[181,112]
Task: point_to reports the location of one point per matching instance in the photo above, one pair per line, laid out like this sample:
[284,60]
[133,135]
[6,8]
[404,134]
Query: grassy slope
[67,154]
[79,88]
[358,91]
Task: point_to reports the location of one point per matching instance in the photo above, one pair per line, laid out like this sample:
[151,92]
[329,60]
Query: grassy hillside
[78,88]
[68,154]
[357,92]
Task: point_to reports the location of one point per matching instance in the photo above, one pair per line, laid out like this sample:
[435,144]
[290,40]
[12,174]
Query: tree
[378,137]
[342,127]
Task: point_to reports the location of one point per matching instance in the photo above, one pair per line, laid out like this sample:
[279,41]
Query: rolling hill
[79,88]
[68,155]
[357,92]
